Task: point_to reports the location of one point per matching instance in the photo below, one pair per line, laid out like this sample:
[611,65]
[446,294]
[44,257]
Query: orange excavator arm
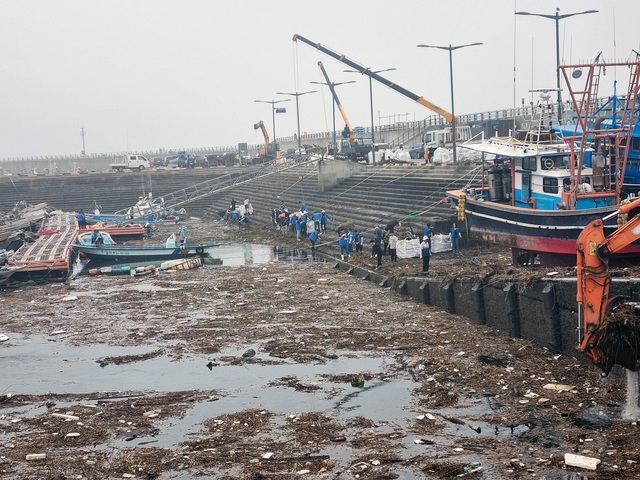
[593,283]
[260,125]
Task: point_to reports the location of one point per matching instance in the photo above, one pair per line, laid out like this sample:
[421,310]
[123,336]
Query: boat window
[529,163]
[566,162]
[550,185]
[549,163]
[635,143]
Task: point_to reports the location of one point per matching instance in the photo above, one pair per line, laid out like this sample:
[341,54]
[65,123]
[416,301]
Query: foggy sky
[149,74]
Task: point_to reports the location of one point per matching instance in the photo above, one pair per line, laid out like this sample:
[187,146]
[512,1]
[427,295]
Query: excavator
[609,327]
[267,153]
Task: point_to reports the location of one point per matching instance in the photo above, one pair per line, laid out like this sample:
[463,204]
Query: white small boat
[147,253]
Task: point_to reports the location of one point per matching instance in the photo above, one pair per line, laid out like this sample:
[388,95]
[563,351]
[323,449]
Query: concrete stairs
[414,195]
[372,195]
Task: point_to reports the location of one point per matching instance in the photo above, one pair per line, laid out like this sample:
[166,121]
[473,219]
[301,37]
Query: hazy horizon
[144,75]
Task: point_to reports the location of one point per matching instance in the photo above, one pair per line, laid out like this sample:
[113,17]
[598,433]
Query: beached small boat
[21,218]
[127,231]
[7,272]
[134,253]
[147,209]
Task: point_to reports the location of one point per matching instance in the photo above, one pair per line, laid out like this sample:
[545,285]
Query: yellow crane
[366,71]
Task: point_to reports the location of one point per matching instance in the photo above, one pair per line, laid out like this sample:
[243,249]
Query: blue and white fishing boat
[538,189]
[114,253]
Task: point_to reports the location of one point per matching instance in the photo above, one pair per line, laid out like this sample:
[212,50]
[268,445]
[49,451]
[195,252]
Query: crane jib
[366,71]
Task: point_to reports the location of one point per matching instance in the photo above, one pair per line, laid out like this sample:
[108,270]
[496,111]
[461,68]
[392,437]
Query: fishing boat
[146,209]
[537,190]
[6,272]
[23,217]
[127,231]
[171,249]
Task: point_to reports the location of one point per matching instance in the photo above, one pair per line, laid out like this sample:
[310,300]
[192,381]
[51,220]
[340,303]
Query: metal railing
[410,130]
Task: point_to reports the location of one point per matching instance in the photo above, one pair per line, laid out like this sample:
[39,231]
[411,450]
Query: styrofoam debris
[36,456]
[580,461]
[65,416]
[558,387]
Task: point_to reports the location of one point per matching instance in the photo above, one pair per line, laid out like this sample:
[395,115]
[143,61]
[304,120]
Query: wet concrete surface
[348,380]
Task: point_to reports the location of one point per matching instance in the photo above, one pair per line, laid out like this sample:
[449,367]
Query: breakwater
[543,311]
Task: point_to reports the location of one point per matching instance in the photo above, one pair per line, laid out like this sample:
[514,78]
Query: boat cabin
[540,177]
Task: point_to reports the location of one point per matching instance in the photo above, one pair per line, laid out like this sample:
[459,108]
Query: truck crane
[266,152]
[609,333]
[338,104]
[353,148]
[367,71]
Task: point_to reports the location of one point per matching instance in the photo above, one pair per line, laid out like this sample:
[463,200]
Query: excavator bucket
[618,338]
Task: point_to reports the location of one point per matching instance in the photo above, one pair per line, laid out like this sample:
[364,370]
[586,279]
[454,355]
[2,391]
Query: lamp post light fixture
[373,141]
[557,17]
[273,119]
[297,94]
[332,86]
[450,48]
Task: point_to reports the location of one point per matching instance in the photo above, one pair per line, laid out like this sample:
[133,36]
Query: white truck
[131,162]
[434,139]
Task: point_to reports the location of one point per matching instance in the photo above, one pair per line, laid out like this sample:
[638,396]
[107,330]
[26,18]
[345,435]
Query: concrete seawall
[543,311]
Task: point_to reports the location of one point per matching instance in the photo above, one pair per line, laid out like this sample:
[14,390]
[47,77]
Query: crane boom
[366,71]
[338,104]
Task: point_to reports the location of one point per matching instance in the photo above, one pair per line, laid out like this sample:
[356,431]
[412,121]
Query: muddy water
[46,364]
[39,365]
[231,255]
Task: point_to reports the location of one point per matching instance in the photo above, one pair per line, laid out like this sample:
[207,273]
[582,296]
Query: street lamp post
[450,49]
[557,17]
[297,94]
[332,86]
[82,134]
[373,141]
[273,119]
